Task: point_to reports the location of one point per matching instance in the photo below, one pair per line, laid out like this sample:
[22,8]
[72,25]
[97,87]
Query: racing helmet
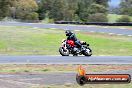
[68,32]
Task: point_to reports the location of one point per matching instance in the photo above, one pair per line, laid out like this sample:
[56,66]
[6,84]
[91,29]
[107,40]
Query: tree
[31,16]
[4,8]
[45,7]
[114,10]
[57,9]
[22,8]
[98,17]
[102,2]
[97,8]
[70,10]
[126,7]
[88,7]
[83,10]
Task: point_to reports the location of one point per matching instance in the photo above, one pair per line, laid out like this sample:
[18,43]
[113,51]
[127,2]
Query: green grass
[114,17]
[26,40]
[108,45]
[35,41]
[40,69]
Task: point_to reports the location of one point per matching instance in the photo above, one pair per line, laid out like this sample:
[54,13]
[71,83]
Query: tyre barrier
[95,23]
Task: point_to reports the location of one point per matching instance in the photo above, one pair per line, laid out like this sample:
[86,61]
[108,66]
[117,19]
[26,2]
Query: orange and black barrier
[83,78]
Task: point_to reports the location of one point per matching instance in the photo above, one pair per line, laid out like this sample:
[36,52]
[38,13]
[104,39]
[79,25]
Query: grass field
[28,68]
[35,41]
[88,86]
[114,17]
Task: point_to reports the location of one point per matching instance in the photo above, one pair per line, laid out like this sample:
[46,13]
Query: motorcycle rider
[71,36]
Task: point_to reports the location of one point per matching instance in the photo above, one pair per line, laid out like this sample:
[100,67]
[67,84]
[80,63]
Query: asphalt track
[86,28]
[65,60]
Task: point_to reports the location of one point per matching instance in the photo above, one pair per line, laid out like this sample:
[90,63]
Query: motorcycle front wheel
[87,52]
[64,52]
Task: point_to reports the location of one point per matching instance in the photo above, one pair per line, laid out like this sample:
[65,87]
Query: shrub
[124,18]
[98,17]
[31,16]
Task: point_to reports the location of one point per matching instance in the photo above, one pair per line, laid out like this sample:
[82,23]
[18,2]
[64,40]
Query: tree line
[57,10]
[73,10]
[68,10]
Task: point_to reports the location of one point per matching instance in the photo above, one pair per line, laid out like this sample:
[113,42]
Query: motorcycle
[68,47]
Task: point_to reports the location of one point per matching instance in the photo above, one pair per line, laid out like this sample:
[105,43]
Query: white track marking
[129,35]
[122,28]
[105,27]
[31,23]
[35,28]
[111,33]
[76,30]
[119,34]
[92,31]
